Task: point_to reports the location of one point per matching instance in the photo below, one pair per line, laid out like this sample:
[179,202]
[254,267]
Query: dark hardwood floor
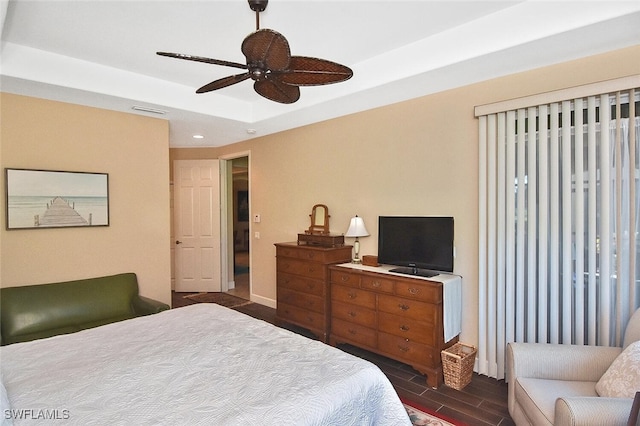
[482,402]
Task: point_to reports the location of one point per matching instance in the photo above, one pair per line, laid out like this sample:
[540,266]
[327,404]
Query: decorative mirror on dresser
[318,232]
[319,220]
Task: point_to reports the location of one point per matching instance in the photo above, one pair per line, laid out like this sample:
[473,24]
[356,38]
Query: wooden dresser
[303,284]
[400,317]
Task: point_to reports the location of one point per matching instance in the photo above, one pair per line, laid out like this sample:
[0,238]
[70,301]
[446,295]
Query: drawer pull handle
[404,328]
[403,348]
[375,284]
[414,291]
[403,307]
[310,285]
[352,331]
[344,278]
[311,270]
[310,319]
[352,295]
[352,314]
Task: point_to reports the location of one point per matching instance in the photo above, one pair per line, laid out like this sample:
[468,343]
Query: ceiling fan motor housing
[258,5]
[257,73]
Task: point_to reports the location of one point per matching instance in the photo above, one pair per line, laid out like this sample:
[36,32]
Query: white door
[197,225]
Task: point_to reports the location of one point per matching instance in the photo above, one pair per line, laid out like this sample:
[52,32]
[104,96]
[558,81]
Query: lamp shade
[357,228]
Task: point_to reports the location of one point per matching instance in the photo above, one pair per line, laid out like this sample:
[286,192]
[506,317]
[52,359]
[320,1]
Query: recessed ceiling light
[198,137]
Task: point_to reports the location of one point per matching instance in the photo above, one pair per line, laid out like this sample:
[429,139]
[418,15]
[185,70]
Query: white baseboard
[263,301]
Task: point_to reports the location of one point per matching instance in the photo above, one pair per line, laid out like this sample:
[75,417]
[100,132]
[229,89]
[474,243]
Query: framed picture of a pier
[38,199]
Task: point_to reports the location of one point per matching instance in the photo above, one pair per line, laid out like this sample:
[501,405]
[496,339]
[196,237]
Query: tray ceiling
[102,53]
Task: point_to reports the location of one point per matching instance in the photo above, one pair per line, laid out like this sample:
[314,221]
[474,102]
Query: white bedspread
[198,365]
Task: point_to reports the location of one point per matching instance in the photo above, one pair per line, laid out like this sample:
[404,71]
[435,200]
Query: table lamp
[356,229]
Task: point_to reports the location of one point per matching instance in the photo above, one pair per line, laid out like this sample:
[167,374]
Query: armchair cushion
[622,378]
[592,411]
[538,396]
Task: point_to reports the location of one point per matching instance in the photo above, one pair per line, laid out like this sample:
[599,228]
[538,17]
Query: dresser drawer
[284,251]
[416,331]
[301,316]
[375,283]
[353,313]
[353,296]
[409,308]
[315,254]
[427,292]
[312,255]
[301,300]
[299,283]
[301,267]
[344,278]
[407,350]
[354,332]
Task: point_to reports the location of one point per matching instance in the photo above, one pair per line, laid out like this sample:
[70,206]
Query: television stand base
[427,273]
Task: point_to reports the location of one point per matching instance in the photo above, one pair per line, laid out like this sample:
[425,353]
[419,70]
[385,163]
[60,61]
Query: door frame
[226,219]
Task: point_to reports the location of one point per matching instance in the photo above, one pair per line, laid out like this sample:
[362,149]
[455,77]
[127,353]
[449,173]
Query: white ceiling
[102,53]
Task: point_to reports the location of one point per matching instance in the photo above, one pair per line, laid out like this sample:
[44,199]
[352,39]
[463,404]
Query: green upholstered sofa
[44,310]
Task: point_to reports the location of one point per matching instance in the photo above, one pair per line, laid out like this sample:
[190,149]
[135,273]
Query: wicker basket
[457,365]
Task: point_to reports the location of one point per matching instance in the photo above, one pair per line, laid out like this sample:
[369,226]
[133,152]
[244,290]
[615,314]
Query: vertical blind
[559,220]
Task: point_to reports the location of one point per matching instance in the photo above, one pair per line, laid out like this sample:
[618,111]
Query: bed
[199,365]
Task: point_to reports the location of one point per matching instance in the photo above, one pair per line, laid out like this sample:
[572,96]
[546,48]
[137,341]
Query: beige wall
[133,150]
[418,157]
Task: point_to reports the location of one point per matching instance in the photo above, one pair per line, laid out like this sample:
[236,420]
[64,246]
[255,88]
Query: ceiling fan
[277,75]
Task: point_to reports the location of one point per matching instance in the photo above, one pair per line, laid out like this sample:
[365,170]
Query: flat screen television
[419,245]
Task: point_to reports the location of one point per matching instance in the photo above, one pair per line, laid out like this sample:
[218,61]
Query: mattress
[198,365]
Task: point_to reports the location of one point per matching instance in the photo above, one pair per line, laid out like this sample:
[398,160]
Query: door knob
[178,242]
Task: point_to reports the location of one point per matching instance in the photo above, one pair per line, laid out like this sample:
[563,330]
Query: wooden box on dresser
[400,317]
[302,284]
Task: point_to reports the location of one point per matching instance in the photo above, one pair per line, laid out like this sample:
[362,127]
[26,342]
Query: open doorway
[240,239]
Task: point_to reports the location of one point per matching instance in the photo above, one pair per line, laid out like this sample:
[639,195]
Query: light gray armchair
[556,384]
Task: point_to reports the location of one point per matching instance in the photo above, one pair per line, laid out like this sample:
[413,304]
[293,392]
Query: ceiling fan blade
[267,49]
[306,71]
[202,59]
[223,82]
[274,90]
